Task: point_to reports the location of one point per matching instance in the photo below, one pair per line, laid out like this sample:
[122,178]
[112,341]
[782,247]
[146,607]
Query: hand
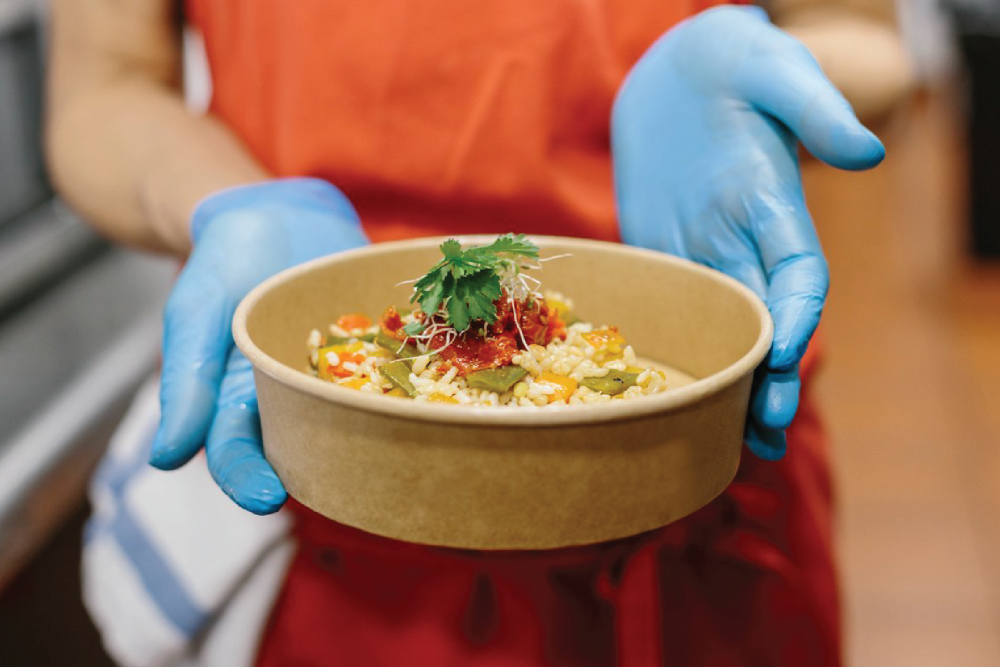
[241,236]
[704,141]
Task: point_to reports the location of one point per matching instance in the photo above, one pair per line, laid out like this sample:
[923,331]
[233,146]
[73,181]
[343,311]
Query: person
[336,124]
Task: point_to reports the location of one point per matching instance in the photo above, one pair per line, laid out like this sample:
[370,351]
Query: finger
[748,271]
[783,79]
[797,274]
[796,297]
[775,399]
[766,444]
[234,449]
[196,339]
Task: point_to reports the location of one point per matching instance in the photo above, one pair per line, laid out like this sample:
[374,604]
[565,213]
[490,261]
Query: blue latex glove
[241,236]
[704,140]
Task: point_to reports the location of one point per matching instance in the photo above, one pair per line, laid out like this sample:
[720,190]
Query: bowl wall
[510,478]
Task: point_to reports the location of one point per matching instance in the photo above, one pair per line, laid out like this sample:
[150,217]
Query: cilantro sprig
[464,284]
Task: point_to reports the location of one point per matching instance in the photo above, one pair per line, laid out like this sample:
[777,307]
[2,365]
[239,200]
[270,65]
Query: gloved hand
[241,236]
[704,142]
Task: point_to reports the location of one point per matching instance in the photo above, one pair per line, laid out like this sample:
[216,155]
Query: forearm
[135,163]
[122,148]
[858,46]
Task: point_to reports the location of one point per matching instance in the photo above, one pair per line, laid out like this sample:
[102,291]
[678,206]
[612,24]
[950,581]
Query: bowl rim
[561,415]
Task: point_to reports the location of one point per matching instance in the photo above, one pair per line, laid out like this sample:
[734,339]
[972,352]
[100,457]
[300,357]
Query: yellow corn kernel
[355,383]
[441,398]
[634,369]
[564,386]
[396,391]
[557,305]
[324,369]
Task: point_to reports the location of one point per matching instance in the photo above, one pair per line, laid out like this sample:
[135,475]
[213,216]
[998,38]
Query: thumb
[196,339]
[782,78]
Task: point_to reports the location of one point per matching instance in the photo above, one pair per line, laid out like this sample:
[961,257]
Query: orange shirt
[438,116]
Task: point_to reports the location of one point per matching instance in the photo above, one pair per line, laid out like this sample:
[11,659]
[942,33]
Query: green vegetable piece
[496,379]
[343,340]
[612,384]
[398,373]
[384,339]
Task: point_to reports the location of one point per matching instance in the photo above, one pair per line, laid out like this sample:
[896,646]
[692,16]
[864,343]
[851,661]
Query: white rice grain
[315,338]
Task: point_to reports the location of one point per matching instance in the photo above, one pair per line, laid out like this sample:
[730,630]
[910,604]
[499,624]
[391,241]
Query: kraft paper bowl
[510,478]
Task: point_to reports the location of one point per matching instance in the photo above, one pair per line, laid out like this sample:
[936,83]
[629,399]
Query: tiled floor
[912,396]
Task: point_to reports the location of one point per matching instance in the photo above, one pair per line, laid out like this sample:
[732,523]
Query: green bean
[612,384]
[496,379]
[398,373]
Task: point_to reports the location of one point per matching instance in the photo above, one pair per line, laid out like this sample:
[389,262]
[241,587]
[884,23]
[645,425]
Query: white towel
[174,573]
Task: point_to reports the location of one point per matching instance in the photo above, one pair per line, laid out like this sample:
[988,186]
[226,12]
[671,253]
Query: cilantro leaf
[451,249]
[432,297]
[511,244]
[458,313]
[414,327]
[472,299]
[479,291]
[465,283]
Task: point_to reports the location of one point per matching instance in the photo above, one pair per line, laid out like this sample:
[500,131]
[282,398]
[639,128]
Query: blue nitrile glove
[704,140]
[241,236]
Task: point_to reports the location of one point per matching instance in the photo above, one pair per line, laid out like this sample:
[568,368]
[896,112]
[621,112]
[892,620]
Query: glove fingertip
[766,444]
[258,490]
[187,408]
[165,457]
[786,354]
[856,148]
[775,400]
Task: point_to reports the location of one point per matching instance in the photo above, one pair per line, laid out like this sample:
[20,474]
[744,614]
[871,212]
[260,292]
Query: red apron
[444,117]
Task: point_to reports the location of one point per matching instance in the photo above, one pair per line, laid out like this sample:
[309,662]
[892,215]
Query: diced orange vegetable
[608,344]
[606,339]
[441,398]
[348,348]
[355,383]
[330,362]
[564,386]
[354,321]
[342,372]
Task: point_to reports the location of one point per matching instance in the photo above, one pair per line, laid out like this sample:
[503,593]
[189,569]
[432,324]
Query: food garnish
[481,332]
[462,287]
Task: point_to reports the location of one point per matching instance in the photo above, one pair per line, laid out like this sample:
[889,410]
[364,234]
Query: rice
[554,372]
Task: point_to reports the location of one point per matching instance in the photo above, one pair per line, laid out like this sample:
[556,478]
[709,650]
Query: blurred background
[911,384]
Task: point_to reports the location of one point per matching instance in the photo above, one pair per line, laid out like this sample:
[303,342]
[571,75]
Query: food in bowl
[481,333]
[506,478]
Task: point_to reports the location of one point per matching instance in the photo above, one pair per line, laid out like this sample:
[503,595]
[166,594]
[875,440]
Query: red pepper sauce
[473,351]
[392,323]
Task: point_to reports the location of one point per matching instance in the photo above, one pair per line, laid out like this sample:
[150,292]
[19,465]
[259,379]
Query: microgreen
[463,285]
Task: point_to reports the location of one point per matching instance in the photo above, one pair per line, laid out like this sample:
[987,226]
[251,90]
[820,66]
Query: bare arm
[122,148]
[858,45]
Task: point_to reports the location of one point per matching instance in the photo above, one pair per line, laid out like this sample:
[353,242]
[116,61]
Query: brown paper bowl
[510,478]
